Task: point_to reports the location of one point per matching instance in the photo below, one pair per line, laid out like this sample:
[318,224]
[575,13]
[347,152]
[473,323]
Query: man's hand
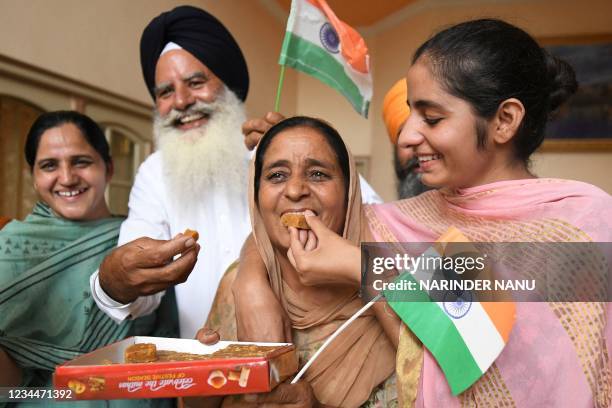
[145,266]
[254,129]
[311,251]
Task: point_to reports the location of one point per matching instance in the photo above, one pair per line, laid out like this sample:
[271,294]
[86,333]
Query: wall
[97,42]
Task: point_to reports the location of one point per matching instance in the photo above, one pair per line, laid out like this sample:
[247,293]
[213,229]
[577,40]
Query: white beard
[199,161]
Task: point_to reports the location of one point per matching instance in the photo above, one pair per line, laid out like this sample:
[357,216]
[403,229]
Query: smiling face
[441,130]
[185,90]
[69,174]
[300,171]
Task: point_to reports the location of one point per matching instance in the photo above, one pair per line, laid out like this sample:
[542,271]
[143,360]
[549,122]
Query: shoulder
[579,204]
[152,164]
[149,171]
[587,195]
[424,199]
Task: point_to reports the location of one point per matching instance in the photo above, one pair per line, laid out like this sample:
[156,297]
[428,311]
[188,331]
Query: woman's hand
[298,395]
[322,257]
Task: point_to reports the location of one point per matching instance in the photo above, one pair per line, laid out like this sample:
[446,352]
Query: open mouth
[429,157]
[300,211]
[295,218]
[71,193]
[425,161]
[191,120]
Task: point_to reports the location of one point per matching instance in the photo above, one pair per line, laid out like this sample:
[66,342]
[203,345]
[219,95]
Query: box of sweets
[155,367]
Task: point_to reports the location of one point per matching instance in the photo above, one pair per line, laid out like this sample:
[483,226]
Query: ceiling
[359,13]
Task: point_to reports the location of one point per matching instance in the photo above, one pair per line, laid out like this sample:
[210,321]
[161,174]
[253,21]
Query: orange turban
[395,109]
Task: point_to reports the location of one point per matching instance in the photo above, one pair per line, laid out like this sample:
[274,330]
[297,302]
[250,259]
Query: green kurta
[47,313]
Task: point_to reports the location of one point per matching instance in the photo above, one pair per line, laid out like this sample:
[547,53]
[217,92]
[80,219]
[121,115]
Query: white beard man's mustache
[409,182]
[199,110]
[209,158]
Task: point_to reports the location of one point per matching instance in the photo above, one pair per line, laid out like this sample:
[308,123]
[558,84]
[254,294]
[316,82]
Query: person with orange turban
[395,113]
[395,109]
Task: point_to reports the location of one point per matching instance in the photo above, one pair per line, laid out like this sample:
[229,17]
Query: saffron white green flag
[319,44]
[464,336]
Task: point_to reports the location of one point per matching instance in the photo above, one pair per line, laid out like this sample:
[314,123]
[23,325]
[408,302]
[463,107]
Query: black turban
[203,36]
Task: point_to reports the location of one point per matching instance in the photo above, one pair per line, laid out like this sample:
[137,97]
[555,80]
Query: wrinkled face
[441,130]
[185,89]
[300,172]
[70,175]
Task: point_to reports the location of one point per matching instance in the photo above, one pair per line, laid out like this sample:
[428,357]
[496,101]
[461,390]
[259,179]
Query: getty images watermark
[529,272]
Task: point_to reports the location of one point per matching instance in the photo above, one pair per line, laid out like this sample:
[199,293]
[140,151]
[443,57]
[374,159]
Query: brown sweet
[168,355]
[294,220]
[141,353]
[193,234]
[243,350]
[147,352]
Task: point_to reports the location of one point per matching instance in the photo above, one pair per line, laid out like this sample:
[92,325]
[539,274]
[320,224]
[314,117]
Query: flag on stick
[319,44]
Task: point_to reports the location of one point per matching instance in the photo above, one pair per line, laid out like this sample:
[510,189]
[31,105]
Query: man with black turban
[196,179]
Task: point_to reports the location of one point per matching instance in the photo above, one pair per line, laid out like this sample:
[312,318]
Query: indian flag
[319,44]
[465,337]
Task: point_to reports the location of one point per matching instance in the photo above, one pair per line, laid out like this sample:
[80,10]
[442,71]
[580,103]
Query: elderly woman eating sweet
[302,165]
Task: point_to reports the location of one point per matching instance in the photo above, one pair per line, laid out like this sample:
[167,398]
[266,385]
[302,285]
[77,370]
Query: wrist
[107,286]
[353,266]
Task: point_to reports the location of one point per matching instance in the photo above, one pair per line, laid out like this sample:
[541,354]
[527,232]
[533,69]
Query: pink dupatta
[559,353]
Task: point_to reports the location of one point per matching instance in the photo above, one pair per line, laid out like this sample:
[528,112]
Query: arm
[10,372]
[259,315]
[132,278]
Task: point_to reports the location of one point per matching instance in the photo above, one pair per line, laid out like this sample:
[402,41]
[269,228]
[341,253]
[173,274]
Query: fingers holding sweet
[145,266]
[178,270]
[311,241]
[303,236]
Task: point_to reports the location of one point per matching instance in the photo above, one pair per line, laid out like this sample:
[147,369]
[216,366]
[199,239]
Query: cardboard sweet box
[103,374]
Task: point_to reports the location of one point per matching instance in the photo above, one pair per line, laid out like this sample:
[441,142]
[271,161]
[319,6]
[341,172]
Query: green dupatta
[47,314]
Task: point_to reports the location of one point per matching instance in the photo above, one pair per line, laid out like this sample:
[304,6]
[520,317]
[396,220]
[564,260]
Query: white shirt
[223,224]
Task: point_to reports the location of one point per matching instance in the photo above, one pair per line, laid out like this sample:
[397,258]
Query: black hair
[487,61]
[91,131]
[323,128]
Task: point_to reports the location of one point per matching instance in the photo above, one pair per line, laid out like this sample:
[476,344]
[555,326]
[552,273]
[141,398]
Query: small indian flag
[319,44]
[464,336]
